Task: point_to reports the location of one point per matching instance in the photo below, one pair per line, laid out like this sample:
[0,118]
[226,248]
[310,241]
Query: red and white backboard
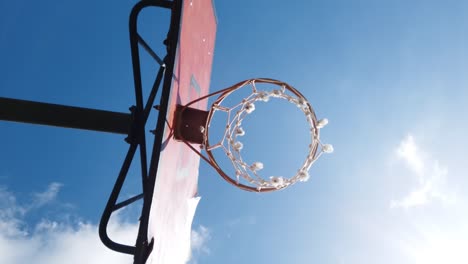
[175,192]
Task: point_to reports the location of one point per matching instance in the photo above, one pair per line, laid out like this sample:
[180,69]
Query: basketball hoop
[193,126]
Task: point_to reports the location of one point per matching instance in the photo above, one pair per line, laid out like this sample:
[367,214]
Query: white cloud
[10,214]
[198,240]
[411,154]
[10,209]
[431,176]
[58,243]
[49,195]
[49,241]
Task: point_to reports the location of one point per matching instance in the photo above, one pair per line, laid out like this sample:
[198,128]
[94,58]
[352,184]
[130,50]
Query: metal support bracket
[189,124]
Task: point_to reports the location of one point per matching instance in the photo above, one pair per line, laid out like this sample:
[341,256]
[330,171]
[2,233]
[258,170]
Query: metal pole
[64,116]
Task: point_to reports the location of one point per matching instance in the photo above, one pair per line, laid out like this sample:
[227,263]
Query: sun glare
[440,249]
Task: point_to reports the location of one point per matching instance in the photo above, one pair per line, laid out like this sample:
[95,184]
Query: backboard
[175,192]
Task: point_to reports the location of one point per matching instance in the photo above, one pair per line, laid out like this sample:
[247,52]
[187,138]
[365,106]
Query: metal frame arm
[142,248]
[64,116]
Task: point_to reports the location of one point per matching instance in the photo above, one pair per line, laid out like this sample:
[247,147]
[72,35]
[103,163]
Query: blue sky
[390,77]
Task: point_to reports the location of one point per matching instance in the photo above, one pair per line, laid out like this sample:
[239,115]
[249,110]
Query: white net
[249,174]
